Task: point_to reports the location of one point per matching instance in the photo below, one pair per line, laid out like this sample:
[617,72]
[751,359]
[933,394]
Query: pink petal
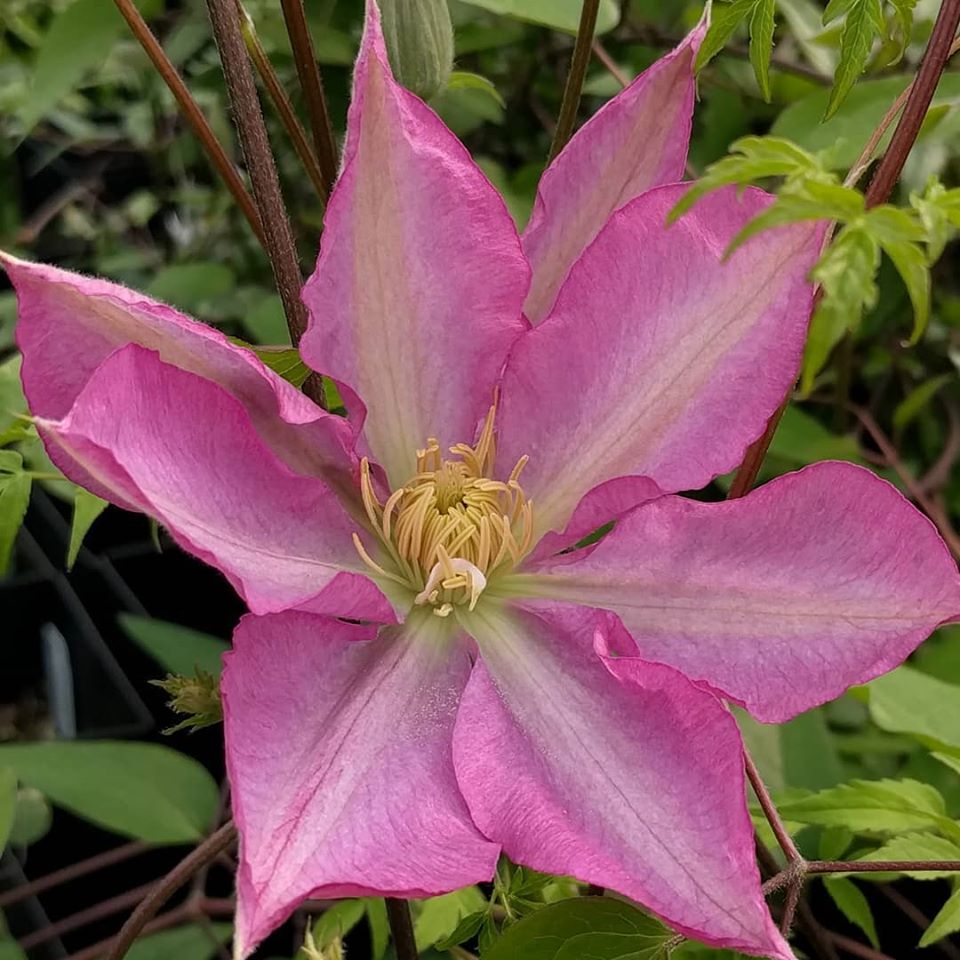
[615,771]
[636,141]
[658,358]
[68,324]
[418,290]
[338,748]
[152,437]
[816,581]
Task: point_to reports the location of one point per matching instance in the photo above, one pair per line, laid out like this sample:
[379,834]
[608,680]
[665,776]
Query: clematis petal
[636,141]
[613,770]
[154,438]
[68,324]
[816,581]
[420,282]
[658,359]
[340,761]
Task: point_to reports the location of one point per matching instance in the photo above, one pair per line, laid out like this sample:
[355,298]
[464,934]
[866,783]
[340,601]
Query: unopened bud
[419,38]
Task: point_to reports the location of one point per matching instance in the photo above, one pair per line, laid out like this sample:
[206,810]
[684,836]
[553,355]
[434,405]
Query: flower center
[451,526]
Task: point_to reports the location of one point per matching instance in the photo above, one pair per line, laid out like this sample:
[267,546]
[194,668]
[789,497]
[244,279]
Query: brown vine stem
[252,130]
[578,71]
[770,811]
[939,50]
[194,115]
[147,909]
[74,871]
[312,86]
[401,928]
[883,866]
[855,948]
[288,117]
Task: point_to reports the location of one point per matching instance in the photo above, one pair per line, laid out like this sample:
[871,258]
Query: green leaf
[850,127]
[903,21]
[947,921]
[75,44]
[847,273]
[762,25]
[804,20]
[919,846]
[193,941]
[338,921]
[461,79]
[285,362]
[724,20]
[863,25]
[379,927]
[191,286]
[8,803]
[14,500]
[810,758]
[440,916]
[899,233]
[466,929]
[751,159]
[559,14]
[10,950]
[853,905]
[907,410]
[908,701]
[874,807]
[86,508]
[801,439]
[32,818]
[140,790]
[586,928]
[177,649]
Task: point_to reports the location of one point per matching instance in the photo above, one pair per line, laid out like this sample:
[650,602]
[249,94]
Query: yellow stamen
[452,525]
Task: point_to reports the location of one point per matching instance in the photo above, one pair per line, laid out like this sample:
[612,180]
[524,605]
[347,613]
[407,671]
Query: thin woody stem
[578,72]
[883,866]
[780,831]
[281,101]
[194,115]
[939,50]
[918,102]
[312,86]
[207,852]
[401,928]
[252,131]
[74,871]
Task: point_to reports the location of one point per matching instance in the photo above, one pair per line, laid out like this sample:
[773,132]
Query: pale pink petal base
[615,771]
[659,359]
[154,438]
[419,287]
[816,581]
[636,141]
[68,324]
[339,753]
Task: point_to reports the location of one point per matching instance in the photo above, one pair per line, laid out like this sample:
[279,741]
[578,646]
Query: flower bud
[419,38]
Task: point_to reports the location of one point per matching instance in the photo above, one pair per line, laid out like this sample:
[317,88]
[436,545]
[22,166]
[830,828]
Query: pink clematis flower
[432,673]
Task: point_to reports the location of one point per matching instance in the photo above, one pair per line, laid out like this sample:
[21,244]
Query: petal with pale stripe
[781,600]
[419,286]
[341,765]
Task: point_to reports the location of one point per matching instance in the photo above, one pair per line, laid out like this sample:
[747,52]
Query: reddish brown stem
[194,115]
[401,928]
[312,86]
[281,101]
[882,866]
[770,811]
[252,130]
[75,870]
[192,910]
[82,917]
[918,102]
[208,851]
[855,948]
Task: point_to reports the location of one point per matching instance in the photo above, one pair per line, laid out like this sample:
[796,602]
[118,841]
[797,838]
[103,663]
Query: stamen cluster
[451,526]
